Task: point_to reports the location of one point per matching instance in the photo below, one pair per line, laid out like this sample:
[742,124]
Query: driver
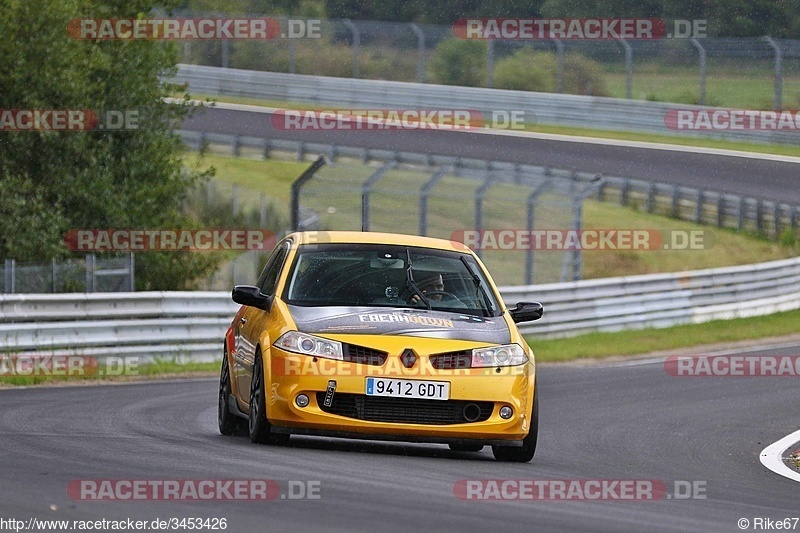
[431,283]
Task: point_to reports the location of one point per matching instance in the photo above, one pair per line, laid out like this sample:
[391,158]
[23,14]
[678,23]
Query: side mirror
[252,296]
[527,312]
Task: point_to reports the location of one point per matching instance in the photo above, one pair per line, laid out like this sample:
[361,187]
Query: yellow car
[379,336]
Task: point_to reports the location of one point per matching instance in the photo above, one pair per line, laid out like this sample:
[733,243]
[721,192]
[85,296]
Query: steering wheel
[445,294]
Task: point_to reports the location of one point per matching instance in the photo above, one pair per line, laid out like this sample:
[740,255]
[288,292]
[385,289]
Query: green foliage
[459,62]
[56,181]
[530,70]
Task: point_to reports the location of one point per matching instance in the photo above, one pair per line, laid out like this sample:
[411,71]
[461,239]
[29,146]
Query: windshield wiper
[477,281]
[410,282]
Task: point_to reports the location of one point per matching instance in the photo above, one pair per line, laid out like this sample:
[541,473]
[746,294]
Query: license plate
[408,388]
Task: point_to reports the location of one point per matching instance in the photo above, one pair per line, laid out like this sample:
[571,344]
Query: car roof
[370,237]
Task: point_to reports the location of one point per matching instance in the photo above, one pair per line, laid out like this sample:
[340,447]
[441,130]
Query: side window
[273,269]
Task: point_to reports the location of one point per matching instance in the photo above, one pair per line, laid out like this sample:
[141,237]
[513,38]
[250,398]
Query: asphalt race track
[756,177]
[610,421]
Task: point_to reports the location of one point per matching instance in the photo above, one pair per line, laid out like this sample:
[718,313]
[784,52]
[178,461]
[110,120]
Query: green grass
[161,369]
[634,342]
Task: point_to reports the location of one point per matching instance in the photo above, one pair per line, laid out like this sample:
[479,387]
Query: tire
[466,447]
[258,425]
[229,423]
[524,454]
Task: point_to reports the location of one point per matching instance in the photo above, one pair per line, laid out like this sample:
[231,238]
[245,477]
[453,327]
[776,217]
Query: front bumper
[289,375]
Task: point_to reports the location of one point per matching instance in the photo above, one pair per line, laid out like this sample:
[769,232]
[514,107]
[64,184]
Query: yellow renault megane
[379,336]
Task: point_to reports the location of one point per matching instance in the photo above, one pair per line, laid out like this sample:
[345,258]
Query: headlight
[506,355]
[294,341]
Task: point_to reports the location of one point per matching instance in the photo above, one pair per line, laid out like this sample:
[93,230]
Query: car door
[254,321]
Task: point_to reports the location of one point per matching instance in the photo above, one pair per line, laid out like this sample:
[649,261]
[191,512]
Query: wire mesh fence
[758,73]
[92,274]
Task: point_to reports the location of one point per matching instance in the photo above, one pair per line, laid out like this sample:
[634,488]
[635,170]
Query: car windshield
[379,276]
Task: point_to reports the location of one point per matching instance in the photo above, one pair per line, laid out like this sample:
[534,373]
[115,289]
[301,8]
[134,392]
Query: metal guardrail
[686,203]
[615,114]
[152,325]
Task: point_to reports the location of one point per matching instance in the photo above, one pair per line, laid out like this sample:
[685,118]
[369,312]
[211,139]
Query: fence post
[490,63]
[234,200]
[628,68]
[480,192]
[529,224]
[420,51]
[53,272]
[720,210]
[356,45]
[262,220]
[292,56]
[90,273]
[132,275]
[778,73]
[702,52]
[10,280]
[698,208]
[366,189]
[423,198]
[559,65]
[297,185]
[225,53]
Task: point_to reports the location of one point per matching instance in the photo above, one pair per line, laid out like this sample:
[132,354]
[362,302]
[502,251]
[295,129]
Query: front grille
[402,410]
[451,360]
[362,355]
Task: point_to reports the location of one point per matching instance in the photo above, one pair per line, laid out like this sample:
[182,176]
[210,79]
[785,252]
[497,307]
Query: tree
[56,181]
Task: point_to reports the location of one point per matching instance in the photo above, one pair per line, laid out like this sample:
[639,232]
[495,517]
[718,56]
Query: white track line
[772,456]
[552,136]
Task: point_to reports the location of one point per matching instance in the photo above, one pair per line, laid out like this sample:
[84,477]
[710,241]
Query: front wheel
[525,454]
[258,425]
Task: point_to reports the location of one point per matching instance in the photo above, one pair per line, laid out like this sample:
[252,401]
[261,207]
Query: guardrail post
[356,45]
[424,193]
[776,219]
[740,214]
[698,208]
[702,52]
[720,210]
[8,271]
[559,66]
[674,201]
[420,52]
[366,189]
[262,218]
[237,145]
[267,147]
[651,191]
[793,218]
[778,73]
[759,215]
[628,68]
[297,185]
[623,193]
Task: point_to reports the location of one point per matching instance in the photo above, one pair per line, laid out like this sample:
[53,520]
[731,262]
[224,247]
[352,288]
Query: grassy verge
[677,139]
[601,345]
[159,369]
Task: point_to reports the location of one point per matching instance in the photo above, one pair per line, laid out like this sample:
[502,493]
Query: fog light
[301,400]
[506,412]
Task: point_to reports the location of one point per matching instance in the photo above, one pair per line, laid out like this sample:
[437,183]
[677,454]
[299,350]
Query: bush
[459,62]
[530,70]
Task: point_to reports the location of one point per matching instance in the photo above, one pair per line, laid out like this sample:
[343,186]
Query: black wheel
[228,422]
[528,450]
[258,425]
[466,447]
